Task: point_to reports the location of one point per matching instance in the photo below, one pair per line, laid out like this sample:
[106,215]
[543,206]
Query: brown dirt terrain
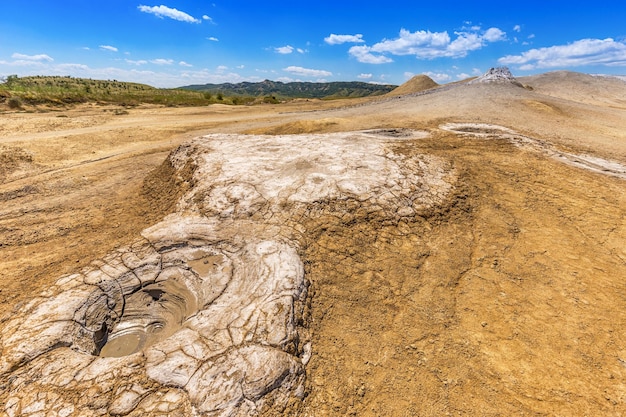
[509,299]
[418,83]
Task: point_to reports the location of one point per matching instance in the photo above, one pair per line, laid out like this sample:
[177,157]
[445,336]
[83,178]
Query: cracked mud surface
[211,302]
[500,293]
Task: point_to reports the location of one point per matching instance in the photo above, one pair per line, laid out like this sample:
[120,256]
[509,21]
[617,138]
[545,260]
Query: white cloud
[307,72]
[164,11]
[184,64]
[24,63]
[213,38]
[108,48]
[287,49]
[365,76]
[207,18]
[339,39]
[606,52]
[73,67]
[221,68]
[494,35]
[33,58]
[462,76]
[363,54]
[300,50]
[517,28]
[438,76]
[138,62]
[427,45]
[161,61]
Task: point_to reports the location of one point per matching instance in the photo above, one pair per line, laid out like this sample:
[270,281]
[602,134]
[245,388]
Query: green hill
[17,92]
[55,90]
[339,89]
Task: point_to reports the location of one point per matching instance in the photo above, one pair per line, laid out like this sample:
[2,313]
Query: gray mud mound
[498,75]
[205,314]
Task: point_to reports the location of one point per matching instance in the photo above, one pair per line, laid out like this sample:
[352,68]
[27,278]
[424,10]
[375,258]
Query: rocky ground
[453,253]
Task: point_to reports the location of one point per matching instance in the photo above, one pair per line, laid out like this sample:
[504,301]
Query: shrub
[270,100]
[15,103]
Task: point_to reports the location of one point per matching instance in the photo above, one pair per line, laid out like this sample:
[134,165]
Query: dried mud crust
[211,302]
[12,160]
[490,306]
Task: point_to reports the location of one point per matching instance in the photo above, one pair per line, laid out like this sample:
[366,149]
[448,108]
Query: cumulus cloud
[161,61]
[494,35]
[424,44]
[339,39]
[285,50]
[184,64]
[517,28]
[33,58]
[438,76]
[288,49]
[108,48]
[137,62]
[72,67]
[307,72]
[365,76]
[164,11]
[207,18]
[364,54]
[606,52]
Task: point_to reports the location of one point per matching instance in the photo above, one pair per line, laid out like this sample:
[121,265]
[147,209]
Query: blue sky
[169,43]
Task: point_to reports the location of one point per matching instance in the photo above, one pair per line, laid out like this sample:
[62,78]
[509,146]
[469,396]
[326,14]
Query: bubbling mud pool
[151,314]
[156,311]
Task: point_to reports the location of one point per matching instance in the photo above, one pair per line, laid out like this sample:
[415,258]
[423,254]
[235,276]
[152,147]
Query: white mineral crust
[202,314]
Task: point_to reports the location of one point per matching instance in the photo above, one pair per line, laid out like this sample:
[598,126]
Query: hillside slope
[583,88]
[414,85]
[296,89]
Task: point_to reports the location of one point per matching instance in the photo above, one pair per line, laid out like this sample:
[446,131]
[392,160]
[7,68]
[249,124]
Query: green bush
[15,103]
[270,100]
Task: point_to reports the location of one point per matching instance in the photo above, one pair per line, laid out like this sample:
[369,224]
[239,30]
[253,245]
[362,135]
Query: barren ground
[509,300]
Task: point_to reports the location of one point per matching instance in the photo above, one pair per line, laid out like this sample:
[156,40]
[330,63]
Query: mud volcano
[205,314]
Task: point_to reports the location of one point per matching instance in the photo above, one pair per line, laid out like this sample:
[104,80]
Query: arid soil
[507,299]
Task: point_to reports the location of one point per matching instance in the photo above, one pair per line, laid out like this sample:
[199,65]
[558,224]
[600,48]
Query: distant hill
[580,87]
[338,89]
[414,85]
[16,92]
